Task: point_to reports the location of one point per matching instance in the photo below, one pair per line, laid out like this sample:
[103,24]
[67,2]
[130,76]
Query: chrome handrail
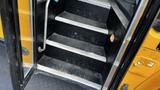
[41,49]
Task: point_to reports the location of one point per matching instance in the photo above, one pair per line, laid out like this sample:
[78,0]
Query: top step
[100,3]
[82,22]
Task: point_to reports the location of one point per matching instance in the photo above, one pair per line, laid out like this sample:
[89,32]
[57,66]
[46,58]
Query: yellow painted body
[25,29]
[152,83]
[145,66]
[1,31]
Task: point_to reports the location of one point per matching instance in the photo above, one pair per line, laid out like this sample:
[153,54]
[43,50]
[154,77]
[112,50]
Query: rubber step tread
[71,70]
[82,22]
[77,46]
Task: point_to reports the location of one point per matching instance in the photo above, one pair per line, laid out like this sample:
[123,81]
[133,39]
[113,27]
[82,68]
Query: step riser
[78,33]
[75,59]
[87,10]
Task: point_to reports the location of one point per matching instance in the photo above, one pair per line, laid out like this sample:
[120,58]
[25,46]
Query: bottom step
[44,81]
[71,72]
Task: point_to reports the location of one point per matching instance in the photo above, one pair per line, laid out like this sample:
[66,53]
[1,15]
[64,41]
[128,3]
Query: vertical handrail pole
[41,49]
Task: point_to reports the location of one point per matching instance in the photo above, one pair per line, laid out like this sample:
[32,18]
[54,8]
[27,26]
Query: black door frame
[10,23]
[35,51]
[136,42]
[11,30]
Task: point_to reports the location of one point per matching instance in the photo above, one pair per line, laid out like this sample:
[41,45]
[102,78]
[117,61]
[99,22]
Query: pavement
[5,79]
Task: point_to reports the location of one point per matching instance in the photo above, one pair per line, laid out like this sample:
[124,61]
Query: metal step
[41,80]
[78,33]
[87,10]
[78,47]
[69,76]
[100,3]
[75,59]
[71,69]
[71,72]
[82,22]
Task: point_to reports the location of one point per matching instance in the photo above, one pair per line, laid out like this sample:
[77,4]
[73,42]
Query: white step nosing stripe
[69,76]
[78,24]
[77,51]
[97,3]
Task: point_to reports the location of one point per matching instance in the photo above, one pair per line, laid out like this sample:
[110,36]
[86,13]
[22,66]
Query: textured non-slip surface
[70,69]
[78,33]
[78,44]
[88,10]
[44,81]
[80,19]
[75,59]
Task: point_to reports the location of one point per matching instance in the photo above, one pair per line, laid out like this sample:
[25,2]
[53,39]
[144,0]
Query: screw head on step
[113,38]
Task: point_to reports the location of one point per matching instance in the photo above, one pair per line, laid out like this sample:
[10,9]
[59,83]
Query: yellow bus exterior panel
[152,40]
[1,31]
[152,83]
[25,29]
[144,65]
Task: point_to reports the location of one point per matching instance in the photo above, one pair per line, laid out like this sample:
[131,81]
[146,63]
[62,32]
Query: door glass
[26,32]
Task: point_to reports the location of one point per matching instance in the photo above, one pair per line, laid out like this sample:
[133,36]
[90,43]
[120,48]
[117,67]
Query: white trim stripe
[77,51]
[79,24]
[69,76]
[100,3]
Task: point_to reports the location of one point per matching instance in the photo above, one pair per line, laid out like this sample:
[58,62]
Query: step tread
[85,46]
[100,3]
[83,22]
[78,47]
[71,69]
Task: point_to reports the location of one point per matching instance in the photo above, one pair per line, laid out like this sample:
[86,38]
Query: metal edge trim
[126,41]
[82,25]
[77,51]
[69,76]
[97,3]
[120,15]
